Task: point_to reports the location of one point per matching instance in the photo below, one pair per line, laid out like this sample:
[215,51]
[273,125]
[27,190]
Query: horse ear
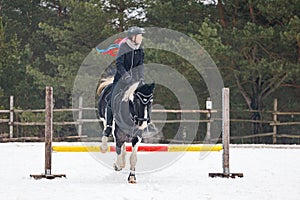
[152,86]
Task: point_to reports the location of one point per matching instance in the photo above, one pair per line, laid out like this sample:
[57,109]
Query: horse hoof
[132,179]
[116,167]
[103,149]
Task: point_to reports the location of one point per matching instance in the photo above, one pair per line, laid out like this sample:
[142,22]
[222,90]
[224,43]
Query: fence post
[80,106]
[11,117]
[275,121]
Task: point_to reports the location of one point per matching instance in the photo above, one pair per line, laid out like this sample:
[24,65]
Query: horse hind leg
[108,126]
[123,153]
[104,145]
[133,159]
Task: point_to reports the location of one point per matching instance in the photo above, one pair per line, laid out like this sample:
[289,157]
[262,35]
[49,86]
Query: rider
[130,68]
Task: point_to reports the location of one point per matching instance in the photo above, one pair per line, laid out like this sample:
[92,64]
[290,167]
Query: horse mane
[103,83]
[130,91]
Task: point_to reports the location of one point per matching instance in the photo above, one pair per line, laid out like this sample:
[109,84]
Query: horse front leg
[133,159]
[121,157]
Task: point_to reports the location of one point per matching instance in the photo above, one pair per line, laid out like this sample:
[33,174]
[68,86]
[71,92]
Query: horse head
[140,105]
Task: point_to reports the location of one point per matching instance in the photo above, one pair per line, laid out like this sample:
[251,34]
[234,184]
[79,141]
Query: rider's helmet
[134,30]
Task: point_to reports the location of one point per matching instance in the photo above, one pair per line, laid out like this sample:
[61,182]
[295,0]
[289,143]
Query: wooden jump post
[48,138]
[225,138]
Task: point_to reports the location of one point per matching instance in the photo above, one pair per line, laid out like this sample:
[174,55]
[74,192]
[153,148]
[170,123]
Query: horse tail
[104,82]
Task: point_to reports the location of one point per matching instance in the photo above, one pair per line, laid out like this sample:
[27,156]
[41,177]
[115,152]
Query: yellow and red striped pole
[143,148]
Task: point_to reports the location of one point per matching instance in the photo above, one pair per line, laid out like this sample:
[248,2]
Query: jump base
[225,175]
[51,176]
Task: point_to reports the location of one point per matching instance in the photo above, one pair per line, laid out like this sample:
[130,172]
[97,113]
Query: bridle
[140,98]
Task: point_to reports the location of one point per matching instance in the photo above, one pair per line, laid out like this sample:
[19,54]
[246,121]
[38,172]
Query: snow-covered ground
[268,174]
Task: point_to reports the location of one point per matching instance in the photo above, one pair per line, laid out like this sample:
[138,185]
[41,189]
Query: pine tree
[261,58]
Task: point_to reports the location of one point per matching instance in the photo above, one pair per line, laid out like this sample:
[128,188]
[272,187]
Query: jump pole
[48,138]
[225,138]
[142,148]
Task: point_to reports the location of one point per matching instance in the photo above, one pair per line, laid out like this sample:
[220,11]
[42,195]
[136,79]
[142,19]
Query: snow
[269,173]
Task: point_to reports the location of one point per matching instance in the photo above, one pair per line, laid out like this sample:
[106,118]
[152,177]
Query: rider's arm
[120,62]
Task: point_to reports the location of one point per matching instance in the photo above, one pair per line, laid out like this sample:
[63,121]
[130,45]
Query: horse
[132,112]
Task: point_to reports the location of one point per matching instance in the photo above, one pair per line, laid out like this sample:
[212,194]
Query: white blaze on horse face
[129,93]
[144,124]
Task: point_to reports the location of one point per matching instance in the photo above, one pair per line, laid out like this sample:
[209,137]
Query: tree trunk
[256,106]
[251,11]
[121,16]
[298,42]
[234,20]
[254,102]
[221,13]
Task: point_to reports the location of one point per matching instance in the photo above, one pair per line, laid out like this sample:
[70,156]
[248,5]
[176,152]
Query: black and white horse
[132,111]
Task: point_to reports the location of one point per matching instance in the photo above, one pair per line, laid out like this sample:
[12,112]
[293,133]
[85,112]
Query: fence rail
[81,121]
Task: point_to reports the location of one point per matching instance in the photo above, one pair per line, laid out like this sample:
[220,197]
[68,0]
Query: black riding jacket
[129,62]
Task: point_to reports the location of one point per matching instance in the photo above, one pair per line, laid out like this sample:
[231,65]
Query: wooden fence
[274,123]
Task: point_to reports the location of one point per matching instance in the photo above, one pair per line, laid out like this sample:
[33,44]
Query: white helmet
[134,30]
